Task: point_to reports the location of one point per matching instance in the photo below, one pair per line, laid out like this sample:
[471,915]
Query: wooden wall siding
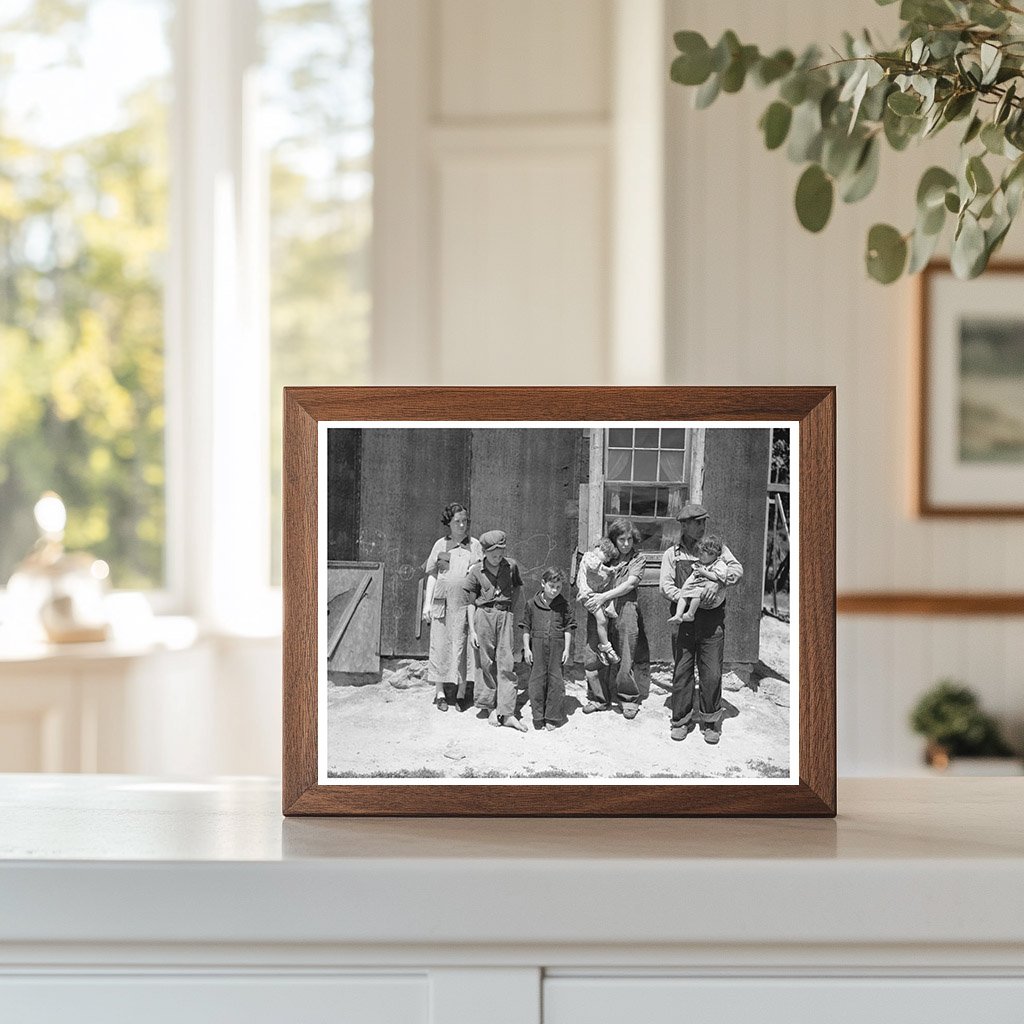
[527,484]
[735,493]
[408,478]
[752,298]
[344,450]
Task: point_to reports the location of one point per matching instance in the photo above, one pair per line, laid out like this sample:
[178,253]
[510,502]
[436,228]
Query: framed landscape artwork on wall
[559,601]
[970,450]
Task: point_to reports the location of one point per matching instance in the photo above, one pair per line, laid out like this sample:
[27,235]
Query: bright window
[317,118]
[185,222]
[83,238]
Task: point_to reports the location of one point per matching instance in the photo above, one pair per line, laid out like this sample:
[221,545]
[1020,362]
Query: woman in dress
[444,608]
[615,683]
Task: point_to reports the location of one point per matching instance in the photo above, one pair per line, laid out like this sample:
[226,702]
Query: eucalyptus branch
[834,116]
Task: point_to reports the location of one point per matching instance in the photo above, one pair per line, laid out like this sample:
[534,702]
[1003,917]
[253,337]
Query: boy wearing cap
[492,587]
[699,643]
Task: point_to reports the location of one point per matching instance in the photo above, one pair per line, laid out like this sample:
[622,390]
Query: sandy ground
[387,727]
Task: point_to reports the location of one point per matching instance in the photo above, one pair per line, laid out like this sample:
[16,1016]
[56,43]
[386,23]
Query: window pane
[662,510]
[616,501]
[620,464]
[673,437]
[84,99]
[317,123]
[646,437]
[645,466]
[677,498]
[670,466]
[644,500]
[620,437]
[655,536]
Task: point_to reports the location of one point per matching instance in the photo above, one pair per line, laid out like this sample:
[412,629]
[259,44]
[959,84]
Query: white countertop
[124,859]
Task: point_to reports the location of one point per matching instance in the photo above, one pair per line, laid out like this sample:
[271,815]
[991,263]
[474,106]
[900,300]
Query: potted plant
[950,717]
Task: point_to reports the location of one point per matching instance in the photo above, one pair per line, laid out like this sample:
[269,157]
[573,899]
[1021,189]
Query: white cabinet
[133,898]
[823,1000]
[201,999]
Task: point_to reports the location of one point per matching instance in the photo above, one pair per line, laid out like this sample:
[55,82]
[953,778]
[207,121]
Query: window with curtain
[646,480]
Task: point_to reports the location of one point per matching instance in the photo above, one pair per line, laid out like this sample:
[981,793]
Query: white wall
[550,209]
[754,299]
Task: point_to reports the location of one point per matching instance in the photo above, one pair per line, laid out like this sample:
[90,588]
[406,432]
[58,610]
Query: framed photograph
[970,450]
[559,601]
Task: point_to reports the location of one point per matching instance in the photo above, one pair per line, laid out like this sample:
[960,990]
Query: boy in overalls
[548,624]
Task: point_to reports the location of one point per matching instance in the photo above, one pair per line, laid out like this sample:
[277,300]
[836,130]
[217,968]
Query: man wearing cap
[701,642]
[492,587]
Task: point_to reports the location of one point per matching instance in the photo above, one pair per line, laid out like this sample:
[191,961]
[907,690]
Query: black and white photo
[540,602]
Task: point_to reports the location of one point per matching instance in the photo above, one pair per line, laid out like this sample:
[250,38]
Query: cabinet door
[205,999]
[782,1000]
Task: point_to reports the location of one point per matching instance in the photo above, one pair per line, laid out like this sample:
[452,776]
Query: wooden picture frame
[309,413]
[960,470]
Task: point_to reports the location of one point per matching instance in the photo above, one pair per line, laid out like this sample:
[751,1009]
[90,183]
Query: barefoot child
[711,568]
[548,624]
[492,587]
[599,578]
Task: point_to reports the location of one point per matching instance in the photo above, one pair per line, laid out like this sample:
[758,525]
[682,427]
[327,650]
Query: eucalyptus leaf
[708,92]
[814,195]
[840,152]
[952,202]
[873,106]
[886,253]
[968,247]
[1004,106]
[973,129]
[932,221]
[900,130]
[865,174]
[693,64]
[958,105]
[735,74]
[987,15]
[991,59]
[794,88]
[771,69]
[922,248]
[805,133]
[904,103]
[1014,191]
[931,190]
[995,233]
[993,138]
[775,123]
[724,51]
[978,176]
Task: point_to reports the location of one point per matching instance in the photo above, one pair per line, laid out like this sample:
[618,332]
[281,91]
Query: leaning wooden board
[354,592]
